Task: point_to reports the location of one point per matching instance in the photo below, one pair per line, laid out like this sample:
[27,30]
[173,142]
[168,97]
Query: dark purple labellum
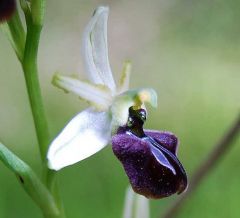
[7,8]
[149,158]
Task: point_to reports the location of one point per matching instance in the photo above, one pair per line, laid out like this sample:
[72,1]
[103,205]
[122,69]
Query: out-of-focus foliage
[187,50]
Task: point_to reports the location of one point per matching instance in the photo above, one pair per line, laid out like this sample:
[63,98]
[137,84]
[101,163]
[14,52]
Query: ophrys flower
[149,158]
[91,129]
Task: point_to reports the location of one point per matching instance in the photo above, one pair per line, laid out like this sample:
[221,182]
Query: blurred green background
[189,51]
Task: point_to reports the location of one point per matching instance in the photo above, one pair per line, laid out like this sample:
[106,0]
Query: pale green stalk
[135,205]
[30,68]
[26,48]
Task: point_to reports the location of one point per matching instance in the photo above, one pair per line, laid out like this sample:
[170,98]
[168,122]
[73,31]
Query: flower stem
[29,64]
[30,69]
[205,167]
[53,186]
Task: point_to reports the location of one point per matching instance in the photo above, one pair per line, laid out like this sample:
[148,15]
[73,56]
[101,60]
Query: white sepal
[98,96]
[95,49]
[84,135]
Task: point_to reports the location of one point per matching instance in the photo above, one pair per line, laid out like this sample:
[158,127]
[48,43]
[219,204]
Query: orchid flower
[91,129]
[115,115]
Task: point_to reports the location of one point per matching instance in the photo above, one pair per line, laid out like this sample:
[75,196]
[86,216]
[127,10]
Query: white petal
[97,95]
[95,49]
[84,135]
[125,78]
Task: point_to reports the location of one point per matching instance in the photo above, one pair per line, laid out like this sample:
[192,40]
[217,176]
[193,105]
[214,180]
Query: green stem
[30,69]
[26,48]
[52,184]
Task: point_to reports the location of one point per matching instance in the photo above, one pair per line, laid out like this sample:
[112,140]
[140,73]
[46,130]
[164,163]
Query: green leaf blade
[29,181]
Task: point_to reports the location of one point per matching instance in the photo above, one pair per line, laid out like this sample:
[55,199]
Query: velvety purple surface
[154,172]
[167,139]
